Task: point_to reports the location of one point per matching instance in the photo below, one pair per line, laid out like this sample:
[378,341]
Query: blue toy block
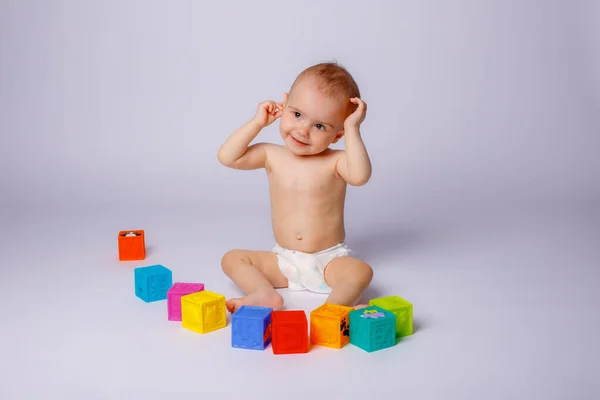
[372,328]
[251,328]
[152,283]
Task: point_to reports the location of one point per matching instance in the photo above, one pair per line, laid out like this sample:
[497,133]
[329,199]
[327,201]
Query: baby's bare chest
[302,183]
[314,179]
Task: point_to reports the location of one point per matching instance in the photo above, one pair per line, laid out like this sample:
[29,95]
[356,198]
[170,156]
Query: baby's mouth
[298,142]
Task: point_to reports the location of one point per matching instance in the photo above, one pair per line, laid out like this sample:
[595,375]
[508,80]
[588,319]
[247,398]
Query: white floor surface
[505,308]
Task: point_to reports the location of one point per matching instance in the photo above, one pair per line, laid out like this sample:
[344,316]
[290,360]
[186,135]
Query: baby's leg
[348,278]
[257,274]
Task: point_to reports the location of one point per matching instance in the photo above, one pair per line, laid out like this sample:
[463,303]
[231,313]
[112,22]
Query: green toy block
[372,328]
[403,311]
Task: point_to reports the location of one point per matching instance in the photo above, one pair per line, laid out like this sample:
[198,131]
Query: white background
[483,131]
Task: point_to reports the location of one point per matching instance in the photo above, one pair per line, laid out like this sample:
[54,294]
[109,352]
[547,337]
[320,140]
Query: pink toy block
[174,297]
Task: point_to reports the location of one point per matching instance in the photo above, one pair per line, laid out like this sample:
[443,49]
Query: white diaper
[305,271]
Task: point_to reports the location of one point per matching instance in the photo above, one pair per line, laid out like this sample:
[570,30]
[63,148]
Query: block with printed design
[174,295]
[132,245]
[251,328]
[372,328]
[402,309]
[289,332]
[203,312]
[329,326]
[152,283]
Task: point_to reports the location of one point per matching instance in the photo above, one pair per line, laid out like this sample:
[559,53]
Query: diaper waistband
[341,244]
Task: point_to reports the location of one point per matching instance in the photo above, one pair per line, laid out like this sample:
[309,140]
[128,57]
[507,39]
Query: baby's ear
[285,98]
[338,136]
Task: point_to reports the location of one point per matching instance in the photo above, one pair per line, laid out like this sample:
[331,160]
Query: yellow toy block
[329,326]
[203,312]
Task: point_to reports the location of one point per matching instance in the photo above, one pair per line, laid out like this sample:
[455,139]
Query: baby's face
[311,120]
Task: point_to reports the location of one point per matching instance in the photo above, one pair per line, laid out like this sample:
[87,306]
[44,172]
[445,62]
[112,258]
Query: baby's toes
[231,305]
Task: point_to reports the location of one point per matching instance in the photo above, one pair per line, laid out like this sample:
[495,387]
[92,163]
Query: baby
[307,182]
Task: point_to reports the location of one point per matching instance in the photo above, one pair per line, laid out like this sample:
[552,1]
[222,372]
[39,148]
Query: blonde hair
[332,79]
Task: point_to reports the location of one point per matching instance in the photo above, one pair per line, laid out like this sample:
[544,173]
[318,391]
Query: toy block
[174,297]
[403,311]
[290,332]
[329,326]
[203,311]
[152,283]
[372,328]
[132,245]
[251,328]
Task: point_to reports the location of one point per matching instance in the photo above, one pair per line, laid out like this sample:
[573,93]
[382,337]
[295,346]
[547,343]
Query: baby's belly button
[297,230]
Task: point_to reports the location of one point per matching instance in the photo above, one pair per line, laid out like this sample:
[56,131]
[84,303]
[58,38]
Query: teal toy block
[152,283]
[372,328]
[402,309]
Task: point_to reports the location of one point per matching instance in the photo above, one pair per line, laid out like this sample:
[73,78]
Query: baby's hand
[267,112]
[358,116]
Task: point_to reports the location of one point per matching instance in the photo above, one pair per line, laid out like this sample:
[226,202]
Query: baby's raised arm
[236,152]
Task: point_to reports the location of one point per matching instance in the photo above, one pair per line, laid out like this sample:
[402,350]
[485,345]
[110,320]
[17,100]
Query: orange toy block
[329,326]
[132,246]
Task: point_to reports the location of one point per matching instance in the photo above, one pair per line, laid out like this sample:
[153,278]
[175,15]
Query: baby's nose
[303,130]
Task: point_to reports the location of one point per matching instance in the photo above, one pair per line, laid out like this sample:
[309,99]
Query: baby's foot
[263,297]
[358,307]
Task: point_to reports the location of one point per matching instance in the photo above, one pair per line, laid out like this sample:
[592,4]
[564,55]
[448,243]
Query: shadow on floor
[390,244]
[149,251]
[418,326]
[385,245]
[377,245]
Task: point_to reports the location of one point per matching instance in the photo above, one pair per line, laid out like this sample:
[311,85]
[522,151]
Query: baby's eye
[320,127]
[296,114]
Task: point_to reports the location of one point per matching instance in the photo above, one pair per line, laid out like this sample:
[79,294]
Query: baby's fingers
[361,105]
[264,106]
[359,101]
[275,108]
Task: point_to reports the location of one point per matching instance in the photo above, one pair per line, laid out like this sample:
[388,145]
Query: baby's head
[316,108]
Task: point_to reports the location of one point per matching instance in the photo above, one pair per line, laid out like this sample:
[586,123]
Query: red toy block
[132,245]
[289,332]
